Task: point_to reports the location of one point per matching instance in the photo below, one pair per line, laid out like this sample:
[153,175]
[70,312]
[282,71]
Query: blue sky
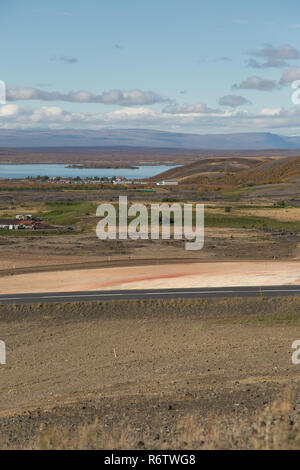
[190,66]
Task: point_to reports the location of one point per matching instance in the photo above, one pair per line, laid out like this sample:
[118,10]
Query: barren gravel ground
[143,365]
[221,244]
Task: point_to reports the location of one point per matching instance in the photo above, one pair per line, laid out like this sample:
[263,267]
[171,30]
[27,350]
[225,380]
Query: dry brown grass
[276,427]
[289,214]
[268,311]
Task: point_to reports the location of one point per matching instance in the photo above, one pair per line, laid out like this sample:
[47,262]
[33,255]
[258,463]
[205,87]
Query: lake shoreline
[65,170]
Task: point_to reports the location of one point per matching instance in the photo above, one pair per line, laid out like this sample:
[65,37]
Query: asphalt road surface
[267,291]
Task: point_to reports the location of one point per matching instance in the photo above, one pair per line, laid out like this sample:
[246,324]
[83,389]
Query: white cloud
[270,112]
[290,75]
[285,52]
[200,108]
[271,63]
[256,83]
[9,110]
[233,101]
[129,114]
[275,57]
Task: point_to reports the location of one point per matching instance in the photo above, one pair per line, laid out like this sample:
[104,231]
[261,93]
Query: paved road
[268,291]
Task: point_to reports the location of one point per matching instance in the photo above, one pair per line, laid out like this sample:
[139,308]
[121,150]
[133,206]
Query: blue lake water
[22,171]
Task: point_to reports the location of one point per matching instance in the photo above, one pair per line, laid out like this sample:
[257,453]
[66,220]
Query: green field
[249,222]
[67,213]
[83,215]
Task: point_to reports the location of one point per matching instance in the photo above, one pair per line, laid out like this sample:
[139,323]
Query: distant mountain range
[145,138]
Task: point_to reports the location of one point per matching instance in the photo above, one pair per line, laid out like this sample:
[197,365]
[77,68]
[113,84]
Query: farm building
[167,183]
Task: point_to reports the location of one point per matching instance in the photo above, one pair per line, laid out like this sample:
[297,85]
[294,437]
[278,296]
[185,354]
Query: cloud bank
[13,116]
[119,97]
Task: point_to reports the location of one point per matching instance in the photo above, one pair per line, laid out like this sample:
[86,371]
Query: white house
[167,183]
